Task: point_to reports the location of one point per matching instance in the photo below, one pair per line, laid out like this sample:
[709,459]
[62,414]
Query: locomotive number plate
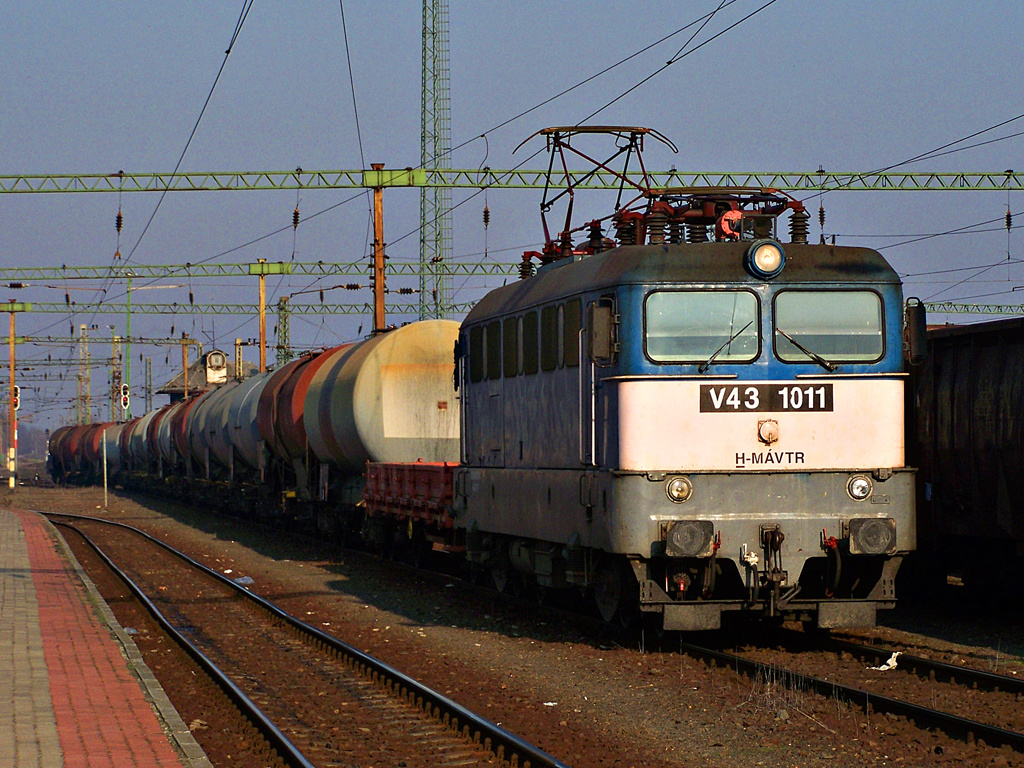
[751,398]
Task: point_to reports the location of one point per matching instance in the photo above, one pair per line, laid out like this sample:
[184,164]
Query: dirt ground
[583,698]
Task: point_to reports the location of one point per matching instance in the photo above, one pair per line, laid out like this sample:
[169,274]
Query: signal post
[13,307]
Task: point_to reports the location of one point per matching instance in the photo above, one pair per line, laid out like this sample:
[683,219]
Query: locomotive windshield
[836,326]
[702,326]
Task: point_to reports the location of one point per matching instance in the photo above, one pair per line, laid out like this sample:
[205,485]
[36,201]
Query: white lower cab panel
[763,425]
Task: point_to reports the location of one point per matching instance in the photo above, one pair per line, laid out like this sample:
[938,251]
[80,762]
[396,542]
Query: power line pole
[435,152]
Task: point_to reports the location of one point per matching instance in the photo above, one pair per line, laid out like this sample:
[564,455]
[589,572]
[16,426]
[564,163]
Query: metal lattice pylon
[435,152]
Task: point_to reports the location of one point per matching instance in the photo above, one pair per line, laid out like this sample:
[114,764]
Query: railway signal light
[17,397]
[125,400]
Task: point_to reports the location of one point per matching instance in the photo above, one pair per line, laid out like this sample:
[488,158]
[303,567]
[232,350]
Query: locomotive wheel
[503,578]
[608,590]
[615,592]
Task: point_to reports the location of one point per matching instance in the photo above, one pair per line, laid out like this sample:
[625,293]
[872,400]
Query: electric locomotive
[692,419]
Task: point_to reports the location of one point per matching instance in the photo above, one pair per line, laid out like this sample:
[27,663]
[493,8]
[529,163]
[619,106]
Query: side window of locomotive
[530,343]
[839,326]
[476,353]
[510,346]
[548,338]
[571,332]
[493,343]
[701,326]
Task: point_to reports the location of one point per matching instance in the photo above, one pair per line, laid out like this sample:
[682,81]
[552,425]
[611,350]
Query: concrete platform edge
[175,727]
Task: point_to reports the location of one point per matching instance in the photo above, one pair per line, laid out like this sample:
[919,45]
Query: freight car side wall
[970,434]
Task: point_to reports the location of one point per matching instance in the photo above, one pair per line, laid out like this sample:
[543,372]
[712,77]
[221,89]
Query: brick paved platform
[74,690]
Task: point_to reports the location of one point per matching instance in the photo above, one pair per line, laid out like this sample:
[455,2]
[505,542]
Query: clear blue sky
[98,87]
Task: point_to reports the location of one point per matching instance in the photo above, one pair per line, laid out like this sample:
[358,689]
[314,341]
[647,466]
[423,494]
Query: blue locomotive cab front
[756,422]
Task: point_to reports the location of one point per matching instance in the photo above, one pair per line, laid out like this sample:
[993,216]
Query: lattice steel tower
[435,152]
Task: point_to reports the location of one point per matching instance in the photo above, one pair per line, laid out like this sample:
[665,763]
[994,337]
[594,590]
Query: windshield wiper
[813,355]
[703,367]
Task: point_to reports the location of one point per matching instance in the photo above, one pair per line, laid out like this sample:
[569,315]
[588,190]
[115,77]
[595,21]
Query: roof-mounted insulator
[526,265]
[799,226]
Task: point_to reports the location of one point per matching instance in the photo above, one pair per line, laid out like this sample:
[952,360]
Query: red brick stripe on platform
[102,716]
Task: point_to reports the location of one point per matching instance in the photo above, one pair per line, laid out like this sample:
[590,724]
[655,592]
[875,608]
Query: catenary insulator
[118,222]
[191,300]
[487,217]
[821,216]
[321,295]
[1009,220]
[295,218]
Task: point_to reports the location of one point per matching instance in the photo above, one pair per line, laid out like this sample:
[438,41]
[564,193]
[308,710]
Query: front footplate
[826,614]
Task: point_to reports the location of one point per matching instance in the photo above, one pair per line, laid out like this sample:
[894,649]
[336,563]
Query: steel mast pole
[12,452]
[378,253]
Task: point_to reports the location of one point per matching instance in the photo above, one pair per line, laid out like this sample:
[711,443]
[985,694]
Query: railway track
[315,700]
[931,694]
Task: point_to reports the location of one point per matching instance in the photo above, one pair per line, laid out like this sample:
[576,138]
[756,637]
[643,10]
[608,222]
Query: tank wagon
[681,418]
[970,444]
[293,442]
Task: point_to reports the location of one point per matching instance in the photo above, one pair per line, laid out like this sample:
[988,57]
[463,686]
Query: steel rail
[270,731]
[504,744]
[952,725]
[922,667]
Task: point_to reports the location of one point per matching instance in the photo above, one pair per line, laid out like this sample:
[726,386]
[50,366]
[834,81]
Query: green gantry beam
[110,308]
[957,308]
[816,181]
[410,308]
[184,271]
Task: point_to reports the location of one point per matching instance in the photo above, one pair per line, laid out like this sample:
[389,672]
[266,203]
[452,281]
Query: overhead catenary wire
[246,8]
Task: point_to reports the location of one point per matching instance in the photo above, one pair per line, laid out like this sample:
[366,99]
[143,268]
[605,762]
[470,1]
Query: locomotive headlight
[690,538]
[872,536]
[859,487]
[678,489]
[764,259]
